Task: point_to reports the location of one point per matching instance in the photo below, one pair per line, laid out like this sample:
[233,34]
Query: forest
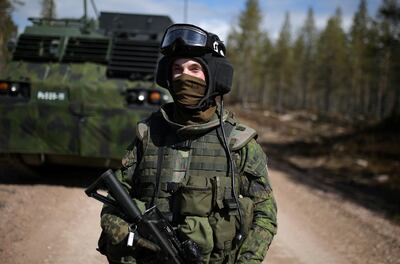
[331,71]
[350,73]
[8,28]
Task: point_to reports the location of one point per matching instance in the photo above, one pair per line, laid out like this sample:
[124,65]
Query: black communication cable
[239,236]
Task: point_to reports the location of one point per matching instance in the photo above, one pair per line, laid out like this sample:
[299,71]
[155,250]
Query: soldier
[195,162]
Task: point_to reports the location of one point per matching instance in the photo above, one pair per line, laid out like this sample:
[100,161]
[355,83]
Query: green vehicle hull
[71,113]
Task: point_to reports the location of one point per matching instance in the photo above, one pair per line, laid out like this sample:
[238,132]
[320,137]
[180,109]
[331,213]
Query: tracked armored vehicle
[76,88]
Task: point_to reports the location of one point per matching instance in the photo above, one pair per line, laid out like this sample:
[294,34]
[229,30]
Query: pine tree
[48,9]
[8,30]
[233,54]
[264,69]
[332,67]
[389,83]
[360,61]
[299,73]
[304,58]
[282,64]
[244,43]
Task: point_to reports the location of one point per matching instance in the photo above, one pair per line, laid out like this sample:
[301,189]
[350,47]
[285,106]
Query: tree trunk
[383,83]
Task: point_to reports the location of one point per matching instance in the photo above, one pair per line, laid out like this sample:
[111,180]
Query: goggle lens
[190,35]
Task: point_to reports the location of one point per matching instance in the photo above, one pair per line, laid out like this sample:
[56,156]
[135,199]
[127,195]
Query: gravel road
[50,220]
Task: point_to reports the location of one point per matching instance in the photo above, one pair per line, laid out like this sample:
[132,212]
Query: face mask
[188,90]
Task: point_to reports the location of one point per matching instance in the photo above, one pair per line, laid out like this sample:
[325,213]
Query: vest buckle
[231,206]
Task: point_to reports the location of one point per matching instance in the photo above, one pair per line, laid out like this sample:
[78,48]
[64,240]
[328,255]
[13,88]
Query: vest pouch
[196,197]
[247,208]
[224,230]
[222,191]
[198,229]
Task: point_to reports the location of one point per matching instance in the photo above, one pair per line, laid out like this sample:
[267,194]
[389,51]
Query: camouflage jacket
[251,163]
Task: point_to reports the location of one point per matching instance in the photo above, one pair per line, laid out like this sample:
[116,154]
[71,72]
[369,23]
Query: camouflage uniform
[253,185]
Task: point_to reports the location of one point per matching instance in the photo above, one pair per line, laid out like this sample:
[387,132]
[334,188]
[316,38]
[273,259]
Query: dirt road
[47,223]
[52,221]
[318,227]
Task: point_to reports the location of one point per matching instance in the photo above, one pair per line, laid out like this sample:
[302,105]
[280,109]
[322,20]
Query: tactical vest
[190,177]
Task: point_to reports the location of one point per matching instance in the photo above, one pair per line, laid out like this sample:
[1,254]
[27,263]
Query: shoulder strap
[142,129]
[143,126]
[228,128]
[240,136]
[160,158]
[155,128]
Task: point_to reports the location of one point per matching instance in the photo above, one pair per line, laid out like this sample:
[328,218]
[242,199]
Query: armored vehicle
[76,88]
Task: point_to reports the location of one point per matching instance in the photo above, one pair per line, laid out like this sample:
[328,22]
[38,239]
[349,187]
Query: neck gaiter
[187,91]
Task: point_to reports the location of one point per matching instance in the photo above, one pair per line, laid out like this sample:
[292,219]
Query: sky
[217,16]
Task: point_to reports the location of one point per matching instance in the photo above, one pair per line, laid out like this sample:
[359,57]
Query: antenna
[84,10]
[94,8]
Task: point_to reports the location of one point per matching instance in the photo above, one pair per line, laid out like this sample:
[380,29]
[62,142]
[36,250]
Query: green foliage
[48,9]
[360,60]
[304,57]
[389,82]
[7,31]
[245,43]
[264,69]
[282,65]
[352,73]
[332,64]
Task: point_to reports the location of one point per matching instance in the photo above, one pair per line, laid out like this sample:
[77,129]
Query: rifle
[150,225]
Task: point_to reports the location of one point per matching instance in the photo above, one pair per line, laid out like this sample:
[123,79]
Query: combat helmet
[186,40]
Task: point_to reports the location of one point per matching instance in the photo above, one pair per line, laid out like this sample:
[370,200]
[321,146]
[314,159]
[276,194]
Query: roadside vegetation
[359,161]
[326,101]
[352,73]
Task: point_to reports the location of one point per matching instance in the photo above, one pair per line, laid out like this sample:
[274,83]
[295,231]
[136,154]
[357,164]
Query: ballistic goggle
[186,38]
